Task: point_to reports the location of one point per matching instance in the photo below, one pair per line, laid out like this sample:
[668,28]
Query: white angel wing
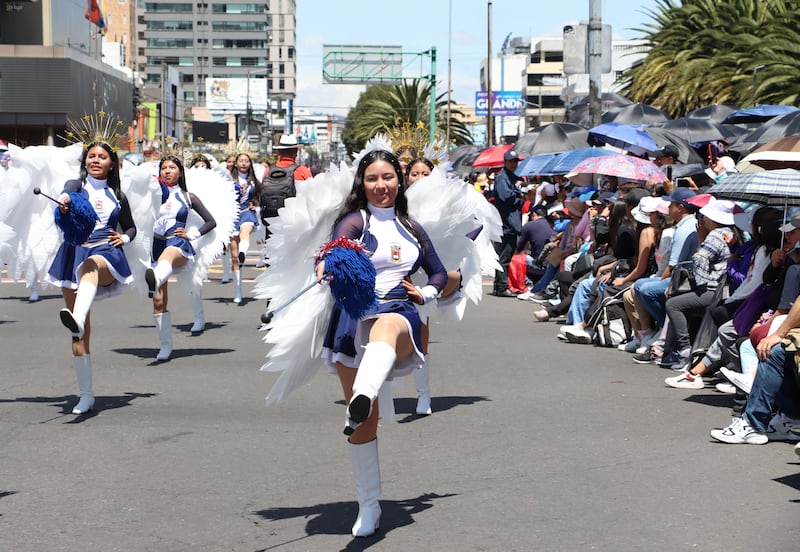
[486,216]
[31,216]
[440,205]
[141,187]
[219,197]
[301,227]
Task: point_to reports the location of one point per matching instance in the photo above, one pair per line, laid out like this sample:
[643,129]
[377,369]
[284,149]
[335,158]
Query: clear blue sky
[416,25]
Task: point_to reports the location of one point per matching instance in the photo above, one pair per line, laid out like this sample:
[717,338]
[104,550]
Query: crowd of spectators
[699,286]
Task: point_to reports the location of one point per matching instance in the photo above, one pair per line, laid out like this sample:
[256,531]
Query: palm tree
[382,107]
[710,51]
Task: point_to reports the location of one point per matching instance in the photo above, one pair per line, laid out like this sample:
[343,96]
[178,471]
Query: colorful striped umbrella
[624,167]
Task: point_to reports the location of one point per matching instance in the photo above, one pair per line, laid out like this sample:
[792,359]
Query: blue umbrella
[758,113]
[778,188]
[628,137]
[565,162]
[534,164]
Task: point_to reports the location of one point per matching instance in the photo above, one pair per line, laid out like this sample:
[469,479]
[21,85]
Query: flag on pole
[94,13]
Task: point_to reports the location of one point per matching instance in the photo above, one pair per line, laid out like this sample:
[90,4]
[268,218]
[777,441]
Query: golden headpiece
[101,127]
[409,136]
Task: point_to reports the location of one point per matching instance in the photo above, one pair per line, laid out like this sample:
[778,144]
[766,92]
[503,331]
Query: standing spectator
[508,202]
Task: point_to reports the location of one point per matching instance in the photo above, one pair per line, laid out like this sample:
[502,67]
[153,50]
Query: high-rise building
[233,58]
[52,69]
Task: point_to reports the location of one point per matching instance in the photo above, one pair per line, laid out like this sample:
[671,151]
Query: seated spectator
[773,406]
[661,230]
[723,350]
[709,264]
[650,292]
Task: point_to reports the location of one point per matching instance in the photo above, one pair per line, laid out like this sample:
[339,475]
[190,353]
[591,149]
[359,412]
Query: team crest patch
[395,249]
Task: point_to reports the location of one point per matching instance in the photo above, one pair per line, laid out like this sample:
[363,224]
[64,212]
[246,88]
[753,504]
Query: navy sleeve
[201,210]
[126,218]
[431,264]
[351,226]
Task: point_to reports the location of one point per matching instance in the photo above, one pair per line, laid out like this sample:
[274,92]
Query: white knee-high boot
[164,326]
[367,476]
[244,245]
[196,298]
[373,370]
[75,320]
[422,381]
[34,291]
[226,265]
[155,277]
[237,283]
[83,370]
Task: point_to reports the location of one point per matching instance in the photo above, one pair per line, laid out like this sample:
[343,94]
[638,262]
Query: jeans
[505,250]
[723,349]
[650,293]
[582,299]
[677,309]
[774,389]
[546,278]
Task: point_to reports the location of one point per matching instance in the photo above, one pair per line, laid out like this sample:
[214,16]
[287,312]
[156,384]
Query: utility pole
[595,38]
[489,137]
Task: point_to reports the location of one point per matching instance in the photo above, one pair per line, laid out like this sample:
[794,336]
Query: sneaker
[742,382]
[541,315]
[797,449]
[645,357]
[739,433]
[539,297]
[579,335]
[780,429]
[674,361]
[562,337]
[686,380]
[631,346]
[727,388]
[525,296]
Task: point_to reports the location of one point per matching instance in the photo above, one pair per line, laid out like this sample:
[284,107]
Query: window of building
[219,43]
[169,42]
[169,26]
[290,52]
[554,56]
[281,84]
[168,7]
[281,69]
[239,26]
[239,8]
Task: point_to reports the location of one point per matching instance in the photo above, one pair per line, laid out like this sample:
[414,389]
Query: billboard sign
[232,94]
[504,103]
[359,64]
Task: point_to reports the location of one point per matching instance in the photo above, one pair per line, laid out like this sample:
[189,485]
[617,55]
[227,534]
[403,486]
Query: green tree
[702,52]
[382,107]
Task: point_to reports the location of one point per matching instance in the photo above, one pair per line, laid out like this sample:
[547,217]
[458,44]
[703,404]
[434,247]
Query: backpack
[276,187]
[610,322]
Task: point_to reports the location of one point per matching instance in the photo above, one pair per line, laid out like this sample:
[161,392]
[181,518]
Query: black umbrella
[636,114]
[758,113]
[699,130]
[662,137]
[552,138]
[462,166]
[578,112]
[715,112]
[778,127]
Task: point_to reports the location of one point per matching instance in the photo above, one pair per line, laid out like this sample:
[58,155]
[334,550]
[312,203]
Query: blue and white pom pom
[79,220]
[352,275]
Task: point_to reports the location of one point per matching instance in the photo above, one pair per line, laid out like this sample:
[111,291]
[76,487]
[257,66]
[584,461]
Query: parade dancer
[172,249]
[366,352]
[248,190]
[96,268]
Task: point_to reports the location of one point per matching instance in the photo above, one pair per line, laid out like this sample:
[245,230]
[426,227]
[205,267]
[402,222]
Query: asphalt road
[534,445]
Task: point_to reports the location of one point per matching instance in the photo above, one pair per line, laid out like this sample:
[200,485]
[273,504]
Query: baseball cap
[511,155]
[652,204]
[669,150]
[680,195]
